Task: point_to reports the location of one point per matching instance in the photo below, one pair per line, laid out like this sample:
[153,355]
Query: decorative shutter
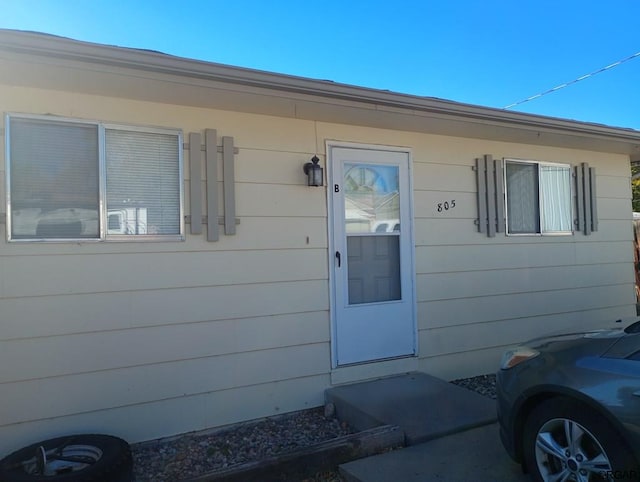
[211,159]
[586,205]
[490,188]
[228,178]
[195,182]
[211,150]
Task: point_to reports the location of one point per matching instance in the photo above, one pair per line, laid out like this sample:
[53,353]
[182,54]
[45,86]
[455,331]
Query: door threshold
[378,360]
[373,369]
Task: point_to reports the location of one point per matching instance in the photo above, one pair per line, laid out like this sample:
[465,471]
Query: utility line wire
[567,84]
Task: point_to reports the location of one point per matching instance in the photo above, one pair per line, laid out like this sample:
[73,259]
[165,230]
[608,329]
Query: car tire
[76,458]
[596,449]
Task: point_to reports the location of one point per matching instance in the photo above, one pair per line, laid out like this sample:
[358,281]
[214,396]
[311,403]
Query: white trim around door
[371,253]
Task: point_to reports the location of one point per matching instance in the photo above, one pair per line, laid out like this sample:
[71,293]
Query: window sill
[567,233]
[118,239]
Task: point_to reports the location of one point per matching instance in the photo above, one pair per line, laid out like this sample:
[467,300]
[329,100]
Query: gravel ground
[484,385]
[190,455]
[195,454]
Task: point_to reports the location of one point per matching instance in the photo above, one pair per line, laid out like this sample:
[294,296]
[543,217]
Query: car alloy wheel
[565,440]
[565,450]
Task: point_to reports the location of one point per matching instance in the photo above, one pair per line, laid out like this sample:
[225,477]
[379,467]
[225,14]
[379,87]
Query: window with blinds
[72,180]
[142,182]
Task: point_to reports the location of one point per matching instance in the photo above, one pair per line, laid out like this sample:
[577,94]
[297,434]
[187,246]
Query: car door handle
[636,393]
[339,258]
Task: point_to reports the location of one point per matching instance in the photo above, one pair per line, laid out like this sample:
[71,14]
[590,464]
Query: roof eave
[57,49]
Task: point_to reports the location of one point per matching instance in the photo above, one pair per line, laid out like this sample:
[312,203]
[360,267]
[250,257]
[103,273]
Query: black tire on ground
[108,460]
[550,416]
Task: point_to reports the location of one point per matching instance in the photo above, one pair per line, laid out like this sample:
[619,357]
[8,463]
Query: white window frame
[540,197]
[102,184]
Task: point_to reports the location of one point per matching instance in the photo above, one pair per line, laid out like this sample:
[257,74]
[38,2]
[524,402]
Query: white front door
[372,255]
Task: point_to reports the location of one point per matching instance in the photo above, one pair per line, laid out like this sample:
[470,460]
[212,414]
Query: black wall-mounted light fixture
[314,172]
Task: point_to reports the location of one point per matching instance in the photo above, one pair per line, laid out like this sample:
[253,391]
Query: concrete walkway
[450,431]
[472,455]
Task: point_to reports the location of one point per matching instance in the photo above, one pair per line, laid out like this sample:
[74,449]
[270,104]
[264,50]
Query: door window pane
[371,198]
[374,268]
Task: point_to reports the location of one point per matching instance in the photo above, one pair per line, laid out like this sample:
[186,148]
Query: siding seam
[163,362]
[159,325]
[544,315]
[84,412]
[517,293]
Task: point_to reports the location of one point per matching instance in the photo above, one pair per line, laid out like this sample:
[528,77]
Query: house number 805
[445,206]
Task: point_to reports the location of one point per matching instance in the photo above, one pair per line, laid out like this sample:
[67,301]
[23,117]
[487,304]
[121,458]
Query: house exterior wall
[477,295]
[144,340]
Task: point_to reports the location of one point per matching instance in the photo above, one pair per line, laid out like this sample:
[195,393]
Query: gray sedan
[569,405]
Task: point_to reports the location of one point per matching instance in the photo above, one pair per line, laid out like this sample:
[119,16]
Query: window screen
[142,188]
[538,198]
[55,170]
[53,179]
[522,198]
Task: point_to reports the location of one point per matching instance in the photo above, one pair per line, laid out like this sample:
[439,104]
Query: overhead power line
[567,84]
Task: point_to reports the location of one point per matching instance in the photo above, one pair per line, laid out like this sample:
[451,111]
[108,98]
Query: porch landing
[423,406]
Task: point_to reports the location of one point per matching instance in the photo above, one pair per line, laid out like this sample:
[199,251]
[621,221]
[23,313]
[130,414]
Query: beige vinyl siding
[452,232]
[90,312]
[59,275]
[177,415]
[443,258]
[458,349]
[278,228]
[160,381]
[146,340]
[477,295]
[473,284]
[460,338]
[91,352]
[470,311]
[116,337]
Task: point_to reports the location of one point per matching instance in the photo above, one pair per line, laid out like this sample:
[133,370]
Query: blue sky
[491,52]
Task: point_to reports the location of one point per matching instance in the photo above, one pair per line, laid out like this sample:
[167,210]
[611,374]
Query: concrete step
[423,406]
